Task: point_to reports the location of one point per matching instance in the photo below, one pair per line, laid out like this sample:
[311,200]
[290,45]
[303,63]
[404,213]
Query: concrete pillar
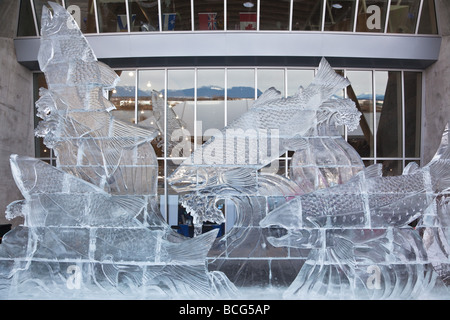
[16,109]
[437,87]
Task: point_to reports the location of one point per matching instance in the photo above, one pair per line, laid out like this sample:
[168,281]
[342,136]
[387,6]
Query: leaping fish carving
[369,200]
[273,125]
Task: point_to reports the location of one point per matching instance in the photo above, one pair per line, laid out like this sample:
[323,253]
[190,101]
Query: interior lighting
[248,4]
[337,6]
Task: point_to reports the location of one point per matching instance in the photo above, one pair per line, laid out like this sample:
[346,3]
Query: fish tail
[439,166]
[328,79]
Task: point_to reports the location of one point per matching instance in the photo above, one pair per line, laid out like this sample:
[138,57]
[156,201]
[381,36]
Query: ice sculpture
[92,227]
[333,229]
[361,227]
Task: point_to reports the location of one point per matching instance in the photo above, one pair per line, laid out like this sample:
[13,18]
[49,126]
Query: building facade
[208,60]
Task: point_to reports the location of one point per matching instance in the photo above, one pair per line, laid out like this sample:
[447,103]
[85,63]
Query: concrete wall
[437,87]
[16,110]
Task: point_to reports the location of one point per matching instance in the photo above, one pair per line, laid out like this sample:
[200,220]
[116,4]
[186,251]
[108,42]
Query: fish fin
[269,95]
[411,168]
[373,171]
[240,177]
[329,80]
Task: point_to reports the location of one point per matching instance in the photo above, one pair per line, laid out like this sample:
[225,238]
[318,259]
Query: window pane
[123,96]
[307,15]
[26,21]
[403,16]
[176,15]
[392,167]
[151,105]
[339,15]
[297,78]
[112,16]
[208,15]
[413,102]
[181,112]
[360,91]
[210,102]
[389,113]
[241,15]
[38,4]
[371,15]
[268,78]
[274,15]
[143,15]
[84,14]
[240,92]
[428,23]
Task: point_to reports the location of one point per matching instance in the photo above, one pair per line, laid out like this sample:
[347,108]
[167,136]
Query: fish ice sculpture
[273,125]
[77,123]
[368,200]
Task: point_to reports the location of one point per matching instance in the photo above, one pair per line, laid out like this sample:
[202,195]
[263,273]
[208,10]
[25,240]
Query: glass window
[123,96]
[413,102]
[391,167]
[297,78]
[151,104]
[26,21]
[360,91]
[339,15]
[428,23]
[268,78]
[241,15]
[389,114]
[210,102]
[84,14]
[144,15]
[38,4]
[274,15]
[112,16]
[208,15]
[307,15]
[181,112]
[176,15]
[403,16]
[371,15]
[240,92]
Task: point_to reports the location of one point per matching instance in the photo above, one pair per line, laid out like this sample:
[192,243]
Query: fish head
[188,178]
[58,20]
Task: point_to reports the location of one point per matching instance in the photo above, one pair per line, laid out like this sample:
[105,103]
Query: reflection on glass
[144,15]
[371,15]
[151,89]
[403,16]
[84,14]
[176,15]
[389,113]
[112,16]
[392,167]
[268,78]
[208,14]
[360,91]
[297,78]
[274,15]
[241,15]
[339,15]
[38,4]
[428,23]
[307,15]
[240,92]
[123,96]
[181,111]
[26,22]
[210,102]
[413,102]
